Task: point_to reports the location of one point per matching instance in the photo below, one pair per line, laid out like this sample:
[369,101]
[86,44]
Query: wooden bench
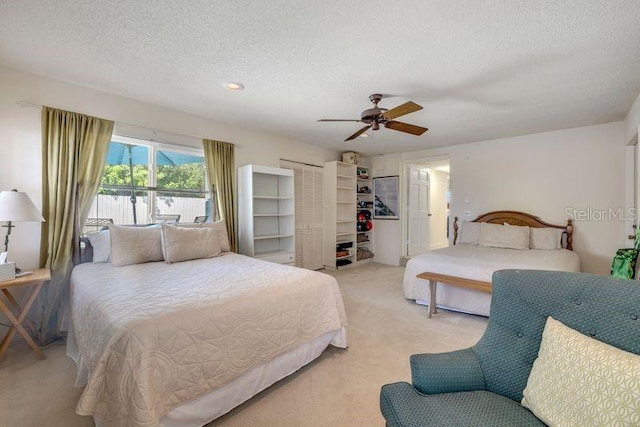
[460,282]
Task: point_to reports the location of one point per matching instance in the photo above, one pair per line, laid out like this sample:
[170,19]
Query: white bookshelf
[266,213]
[364,207]
[339,201]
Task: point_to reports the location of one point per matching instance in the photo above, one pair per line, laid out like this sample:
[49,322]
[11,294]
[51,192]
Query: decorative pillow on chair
[580,381]
[183,244]
[504,236]
[135,245]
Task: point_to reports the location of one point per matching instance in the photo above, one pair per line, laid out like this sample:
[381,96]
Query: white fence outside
[120,210]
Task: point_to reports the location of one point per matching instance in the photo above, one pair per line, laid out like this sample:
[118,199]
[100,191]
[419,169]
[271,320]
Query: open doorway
[427,205]
[632,188]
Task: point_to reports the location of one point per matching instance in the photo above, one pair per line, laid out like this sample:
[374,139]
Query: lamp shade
[17,206]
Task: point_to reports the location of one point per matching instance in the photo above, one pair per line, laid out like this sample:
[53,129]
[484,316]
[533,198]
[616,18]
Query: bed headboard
[521,218]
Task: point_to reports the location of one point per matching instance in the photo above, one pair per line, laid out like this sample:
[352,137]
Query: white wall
[20,138]
[632,123]
[387,232]
[438,207]
[543,174]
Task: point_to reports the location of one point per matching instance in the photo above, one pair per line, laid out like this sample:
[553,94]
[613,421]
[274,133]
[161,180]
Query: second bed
[477,262]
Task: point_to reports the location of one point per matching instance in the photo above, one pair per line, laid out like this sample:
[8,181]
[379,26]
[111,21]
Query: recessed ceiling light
[364,135]
[234,86]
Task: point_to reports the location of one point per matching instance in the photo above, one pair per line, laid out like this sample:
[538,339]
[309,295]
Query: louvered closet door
[298,184]
[316,226]
[309,226]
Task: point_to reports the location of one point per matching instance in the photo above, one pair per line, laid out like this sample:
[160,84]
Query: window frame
[151,189]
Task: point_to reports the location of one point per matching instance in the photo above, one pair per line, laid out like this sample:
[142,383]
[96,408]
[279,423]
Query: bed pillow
[504,236]
[219,226]
[470,233]
[101,243]
[184,244]
[221,231]
[135,245]
[577,380]
[545,238]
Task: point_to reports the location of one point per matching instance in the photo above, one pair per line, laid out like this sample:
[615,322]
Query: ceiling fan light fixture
[376,116]
[234,86]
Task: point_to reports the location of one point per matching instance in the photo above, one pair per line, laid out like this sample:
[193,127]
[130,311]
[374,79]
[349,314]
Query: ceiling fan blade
[357,134]
[406,127]
[339,120]
[401,110]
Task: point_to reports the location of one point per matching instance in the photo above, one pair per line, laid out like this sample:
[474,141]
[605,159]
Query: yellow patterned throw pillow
[579,381]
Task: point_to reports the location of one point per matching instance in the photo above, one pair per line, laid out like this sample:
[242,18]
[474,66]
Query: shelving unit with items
[339,186]
[364,215]
[266,221]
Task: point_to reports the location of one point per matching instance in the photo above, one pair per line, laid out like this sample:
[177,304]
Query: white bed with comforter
[181,344]
[476,262]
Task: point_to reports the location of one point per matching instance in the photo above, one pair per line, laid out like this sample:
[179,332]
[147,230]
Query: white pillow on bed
[135,245]
[219,226]
[504,236]
[470,233]
[545,238]
[101,243]
[221,231]
[184,244]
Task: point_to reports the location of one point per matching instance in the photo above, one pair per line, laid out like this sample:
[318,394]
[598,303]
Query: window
[146,182]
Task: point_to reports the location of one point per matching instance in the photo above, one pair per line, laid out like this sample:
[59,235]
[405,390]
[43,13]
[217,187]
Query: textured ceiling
[481,69]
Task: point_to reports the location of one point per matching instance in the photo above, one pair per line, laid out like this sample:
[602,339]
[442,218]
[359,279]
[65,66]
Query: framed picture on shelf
[385,197]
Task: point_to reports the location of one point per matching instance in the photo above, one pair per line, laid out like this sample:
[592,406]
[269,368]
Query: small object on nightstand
[23,273]
[7,270]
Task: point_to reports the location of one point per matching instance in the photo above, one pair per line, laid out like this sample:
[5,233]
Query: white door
[312,214]
[418,211]
[308,216]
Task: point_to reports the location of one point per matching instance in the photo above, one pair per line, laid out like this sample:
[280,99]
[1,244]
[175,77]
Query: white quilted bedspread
[479,263]
[154,336]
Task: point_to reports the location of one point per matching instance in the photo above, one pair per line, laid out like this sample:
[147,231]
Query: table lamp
[16,206]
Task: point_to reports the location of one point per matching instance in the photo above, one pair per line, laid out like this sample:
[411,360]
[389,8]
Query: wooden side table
[36,279]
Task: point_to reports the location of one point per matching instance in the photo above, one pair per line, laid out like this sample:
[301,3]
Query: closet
[309,229]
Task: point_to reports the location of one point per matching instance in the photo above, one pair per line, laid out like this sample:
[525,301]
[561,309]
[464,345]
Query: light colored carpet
[340,388]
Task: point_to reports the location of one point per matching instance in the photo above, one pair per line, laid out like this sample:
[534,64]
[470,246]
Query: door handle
[631,237]
[429,214]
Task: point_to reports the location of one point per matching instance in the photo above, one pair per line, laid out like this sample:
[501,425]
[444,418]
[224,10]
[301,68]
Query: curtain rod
[300,163]
[29,104]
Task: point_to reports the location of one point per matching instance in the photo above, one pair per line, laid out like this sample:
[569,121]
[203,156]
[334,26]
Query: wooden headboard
[521,218]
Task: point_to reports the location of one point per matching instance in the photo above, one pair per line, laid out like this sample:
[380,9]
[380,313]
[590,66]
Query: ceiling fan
[376,116]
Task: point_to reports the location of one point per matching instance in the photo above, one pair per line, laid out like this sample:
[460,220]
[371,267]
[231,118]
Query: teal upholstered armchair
[483,385]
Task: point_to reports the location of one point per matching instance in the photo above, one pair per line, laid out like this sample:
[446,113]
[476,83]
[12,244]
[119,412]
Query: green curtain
[221,171]
[74,152]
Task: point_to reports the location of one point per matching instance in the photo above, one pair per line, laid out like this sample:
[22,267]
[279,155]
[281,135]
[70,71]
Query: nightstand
[19,314]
